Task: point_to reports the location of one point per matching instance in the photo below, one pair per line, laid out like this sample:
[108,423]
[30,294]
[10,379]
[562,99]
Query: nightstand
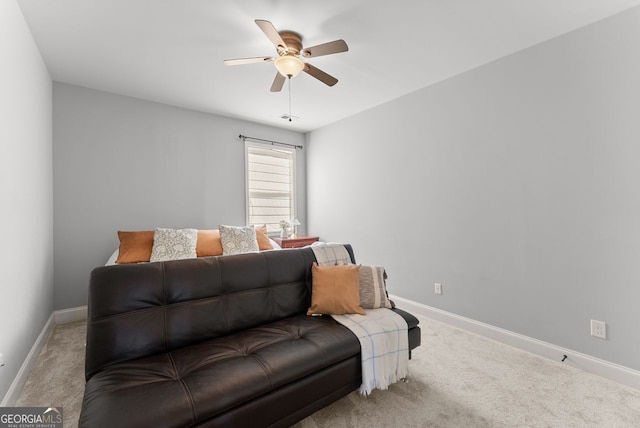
[299,241]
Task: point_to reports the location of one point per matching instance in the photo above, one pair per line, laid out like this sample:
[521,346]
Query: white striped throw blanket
[330,254]
[384,342]
[384,346]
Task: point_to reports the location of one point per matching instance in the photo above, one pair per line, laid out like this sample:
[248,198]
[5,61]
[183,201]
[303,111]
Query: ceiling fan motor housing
[293,41]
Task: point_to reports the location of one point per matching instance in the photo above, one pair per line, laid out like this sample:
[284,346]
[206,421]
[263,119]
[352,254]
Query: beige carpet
[57,378]
[457,379]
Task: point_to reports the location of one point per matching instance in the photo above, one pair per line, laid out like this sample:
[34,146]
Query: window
[270,185]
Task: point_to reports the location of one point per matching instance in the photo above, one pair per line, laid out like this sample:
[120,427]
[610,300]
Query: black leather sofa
[216,342]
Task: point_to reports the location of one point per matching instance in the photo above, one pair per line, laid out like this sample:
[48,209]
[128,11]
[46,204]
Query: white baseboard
[65,316]
[57,317]
[606,369]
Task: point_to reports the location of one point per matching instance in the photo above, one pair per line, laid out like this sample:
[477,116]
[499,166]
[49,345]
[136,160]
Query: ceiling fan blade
[239,61]
[271,32]
[325,78]
[278,82]
[325,49]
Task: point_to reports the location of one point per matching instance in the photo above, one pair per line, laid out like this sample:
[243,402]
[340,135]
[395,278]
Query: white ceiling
[171,51]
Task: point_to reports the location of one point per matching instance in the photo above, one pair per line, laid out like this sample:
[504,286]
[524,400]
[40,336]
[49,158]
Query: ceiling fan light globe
[289,66]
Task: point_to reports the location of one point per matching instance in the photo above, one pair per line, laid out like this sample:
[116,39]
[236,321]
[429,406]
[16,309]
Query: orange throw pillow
[263,238]
[135,247]
[335,290]
[209,243]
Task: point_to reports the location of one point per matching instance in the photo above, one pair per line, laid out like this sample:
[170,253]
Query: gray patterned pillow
[373,292]
[174,244]
[236,240]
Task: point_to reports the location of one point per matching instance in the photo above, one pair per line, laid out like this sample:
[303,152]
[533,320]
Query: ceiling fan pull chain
[290,99]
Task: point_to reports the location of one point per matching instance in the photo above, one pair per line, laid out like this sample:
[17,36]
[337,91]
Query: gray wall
[122,163]
[516,185]
[26,255]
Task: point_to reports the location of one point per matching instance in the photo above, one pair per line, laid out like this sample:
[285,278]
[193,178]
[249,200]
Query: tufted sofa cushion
[203,381]
[167,305]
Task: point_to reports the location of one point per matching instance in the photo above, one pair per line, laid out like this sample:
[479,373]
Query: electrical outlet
[599,329]
[437,288]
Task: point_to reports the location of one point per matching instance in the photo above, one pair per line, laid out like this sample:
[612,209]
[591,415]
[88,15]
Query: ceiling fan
[288,63]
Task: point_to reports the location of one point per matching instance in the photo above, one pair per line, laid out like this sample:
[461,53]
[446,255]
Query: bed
[164,244]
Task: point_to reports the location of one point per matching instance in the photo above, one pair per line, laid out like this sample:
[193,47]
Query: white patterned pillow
[373,291]
[174,244]
[236,240]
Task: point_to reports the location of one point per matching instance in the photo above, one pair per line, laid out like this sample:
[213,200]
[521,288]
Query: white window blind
[270,185]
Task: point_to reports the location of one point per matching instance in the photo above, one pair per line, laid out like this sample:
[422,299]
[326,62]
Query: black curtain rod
[244,137]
